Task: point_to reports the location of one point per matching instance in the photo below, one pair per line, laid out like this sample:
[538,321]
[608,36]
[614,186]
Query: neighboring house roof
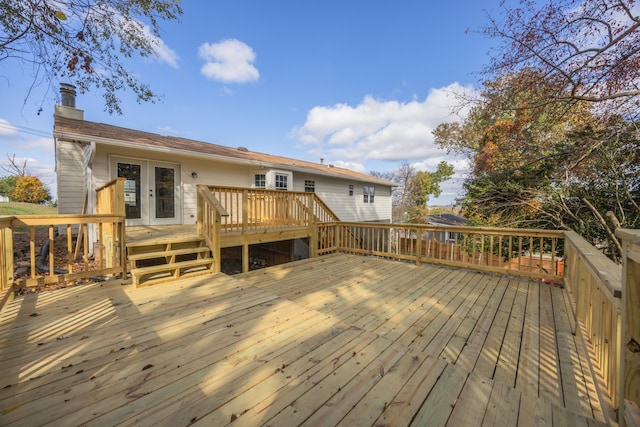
[84,131]
[446,219]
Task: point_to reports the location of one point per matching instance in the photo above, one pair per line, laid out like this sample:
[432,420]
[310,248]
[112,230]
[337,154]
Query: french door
[151,191]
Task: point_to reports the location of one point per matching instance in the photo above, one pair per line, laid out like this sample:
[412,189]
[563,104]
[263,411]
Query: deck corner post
[199,211]
[313,241]
[216,251]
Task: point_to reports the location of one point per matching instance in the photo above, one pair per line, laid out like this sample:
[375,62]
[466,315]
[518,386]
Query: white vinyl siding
[333,191]
[70,161]
[349,208]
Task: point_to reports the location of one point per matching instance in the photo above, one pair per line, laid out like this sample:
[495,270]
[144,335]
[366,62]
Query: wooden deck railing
[595,283]
[254,209]
[209,221]
[530,253]
[629,390]
[107,260]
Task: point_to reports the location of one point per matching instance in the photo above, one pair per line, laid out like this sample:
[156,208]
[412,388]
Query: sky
[358,84]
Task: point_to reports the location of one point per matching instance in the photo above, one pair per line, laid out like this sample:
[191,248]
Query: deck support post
[245,257]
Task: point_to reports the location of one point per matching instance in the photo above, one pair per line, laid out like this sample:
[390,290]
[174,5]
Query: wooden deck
[336,340]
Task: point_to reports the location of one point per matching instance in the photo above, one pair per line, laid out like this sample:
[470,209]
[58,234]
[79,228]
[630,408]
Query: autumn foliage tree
[84,42]
[20,186]
[543,165]
[589,48]
[30,189]
[553,138]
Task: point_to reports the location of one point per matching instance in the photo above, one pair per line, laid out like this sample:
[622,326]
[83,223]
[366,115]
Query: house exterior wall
[208,172]
[334,191]
[70,171]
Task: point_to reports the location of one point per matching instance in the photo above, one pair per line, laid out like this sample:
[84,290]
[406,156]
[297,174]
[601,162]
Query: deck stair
[167,259]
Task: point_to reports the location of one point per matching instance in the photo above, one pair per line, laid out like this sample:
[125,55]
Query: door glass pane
[131,189]
[165,192]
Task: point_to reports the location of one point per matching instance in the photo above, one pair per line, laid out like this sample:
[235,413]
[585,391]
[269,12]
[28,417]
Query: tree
[543,165]
[423,185]
[30,189]
[589,48]
[414,189]
[553,138]
[7,185]
[19,186]
[85,42]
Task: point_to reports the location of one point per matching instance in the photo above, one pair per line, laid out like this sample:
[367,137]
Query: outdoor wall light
[194,175]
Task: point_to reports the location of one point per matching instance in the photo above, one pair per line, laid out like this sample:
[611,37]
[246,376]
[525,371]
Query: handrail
[209,221]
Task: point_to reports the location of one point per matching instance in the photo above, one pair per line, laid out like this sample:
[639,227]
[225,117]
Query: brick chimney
[68,98]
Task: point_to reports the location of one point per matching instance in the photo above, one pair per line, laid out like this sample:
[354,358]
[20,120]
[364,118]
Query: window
[260,180]
[281,182]
[368,194]
[350,189]
[309,186]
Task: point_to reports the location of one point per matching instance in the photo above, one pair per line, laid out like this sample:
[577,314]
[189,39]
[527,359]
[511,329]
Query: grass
[17,208]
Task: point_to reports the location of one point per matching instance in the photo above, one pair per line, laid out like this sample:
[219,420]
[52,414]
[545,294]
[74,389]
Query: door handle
[150,193]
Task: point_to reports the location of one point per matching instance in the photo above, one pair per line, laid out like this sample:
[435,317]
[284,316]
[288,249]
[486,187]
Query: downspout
[89,155]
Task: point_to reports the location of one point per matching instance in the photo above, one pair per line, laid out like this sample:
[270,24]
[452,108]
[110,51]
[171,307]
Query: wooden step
[165,272]
[164,240]
[167,255]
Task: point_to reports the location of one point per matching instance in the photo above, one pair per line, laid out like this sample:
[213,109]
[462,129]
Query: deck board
[338,340]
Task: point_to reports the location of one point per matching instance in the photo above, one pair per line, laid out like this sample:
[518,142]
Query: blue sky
[360,84]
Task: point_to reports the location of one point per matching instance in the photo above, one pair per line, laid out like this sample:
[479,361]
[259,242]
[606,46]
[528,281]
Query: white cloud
[229,61]
[161,51]
[7,128]
[378,129]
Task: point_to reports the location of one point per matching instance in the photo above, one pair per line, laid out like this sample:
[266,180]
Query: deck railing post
[418,246]
[6,261]
[245,210]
